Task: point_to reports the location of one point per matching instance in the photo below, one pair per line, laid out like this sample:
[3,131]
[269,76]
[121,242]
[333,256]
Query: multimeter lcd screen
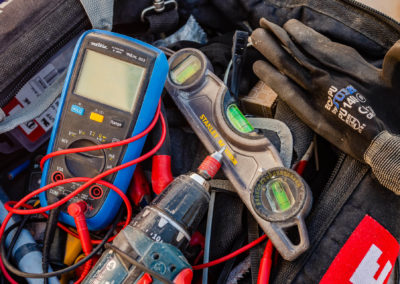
[109,80]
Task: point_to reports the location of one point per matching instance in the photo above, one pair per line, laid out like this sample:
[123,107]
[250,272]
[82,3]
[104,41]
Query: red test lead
[265,264]
[77,211]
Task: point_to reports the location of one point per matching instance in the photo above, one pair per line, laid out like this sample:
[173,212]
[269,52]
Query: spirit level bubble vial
[111,93]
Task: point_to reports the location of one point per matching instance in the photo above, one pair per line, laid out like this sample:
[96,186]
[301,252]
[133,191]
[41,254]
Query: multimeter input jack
[57,176]
[96,192]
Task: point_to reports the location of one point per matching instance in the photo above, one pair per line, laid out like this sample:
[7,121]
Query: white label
[29,126]
[30,92]
[48,117]
[368,267]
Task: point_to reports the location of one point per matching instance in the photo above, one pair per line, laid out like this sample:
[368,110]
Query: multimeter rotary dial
[86,164]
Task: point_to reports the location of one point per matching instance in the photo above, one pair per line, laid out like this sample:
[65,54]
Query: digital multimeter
[111,93]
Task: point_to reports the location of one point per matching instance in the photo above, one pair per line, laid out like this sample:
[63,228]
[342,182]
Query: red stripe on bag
[368,256]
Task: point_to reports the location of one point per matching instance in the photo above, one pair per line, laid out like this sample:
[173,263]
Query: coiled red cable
[231,255]
[265,264]
[87,181]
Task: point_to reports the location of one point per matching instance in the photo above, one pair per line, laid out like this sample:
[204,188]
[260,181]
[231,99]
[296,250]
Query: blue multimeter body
[111,93]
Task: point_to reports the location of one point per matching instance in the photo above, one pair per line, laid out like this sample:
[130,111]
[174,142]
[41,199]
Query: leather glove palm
[336,92]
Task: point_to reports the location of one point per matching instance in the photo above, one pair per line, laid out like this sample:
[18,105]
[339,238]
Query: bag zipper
[385,18]
[30,72]
[335,171]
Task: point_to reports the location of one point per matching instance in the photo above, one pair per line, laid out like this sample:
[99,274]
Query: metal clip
[158,6]
[2,115]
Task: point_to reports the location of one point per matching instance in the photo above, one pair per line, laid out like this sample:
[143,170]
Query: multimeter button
[77,109]
[96,117]
[116,123]
[85,164]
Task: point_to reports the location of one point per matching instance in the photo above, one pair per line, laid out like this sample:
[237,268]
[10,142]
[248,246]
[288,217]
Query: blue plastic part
[145,248]
[31,260]
[168,255]
[151,98]
[77,109]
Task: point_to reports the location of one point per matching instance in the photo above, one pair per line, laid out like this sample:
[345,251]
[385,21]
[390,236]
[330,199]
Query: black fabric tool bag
[36,42]
[37,39]
[30,33]
[352,191]
[346,21]
[346,193]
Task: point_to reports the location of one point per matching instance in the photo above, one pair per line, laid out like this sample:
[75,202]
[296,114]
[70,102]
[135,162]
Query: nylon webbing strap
[163,22]
[255,253]
[222,184]
[100,13]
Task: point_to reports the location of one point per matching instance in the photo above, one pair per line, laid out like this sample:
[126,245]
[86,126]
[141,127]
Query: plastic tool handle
[161,174]
[281,239]
[77,211]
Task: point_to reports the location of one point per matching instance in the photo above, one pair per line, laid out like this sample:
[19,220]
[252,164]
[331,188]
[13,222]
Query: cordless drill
[156,236]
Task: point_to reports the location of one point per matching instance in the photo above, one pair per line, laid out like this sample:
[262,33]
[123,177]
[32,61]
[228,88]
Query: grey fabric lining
[37,37]
[302,134]
[283,132]
[100,13]
[2,115]
[191,31]
[36,108]
[222,184]
[383,155]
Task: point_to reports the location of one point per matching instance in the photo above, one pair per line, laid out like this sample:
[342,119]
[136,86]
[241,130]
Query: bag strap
[100,13]
[163,22]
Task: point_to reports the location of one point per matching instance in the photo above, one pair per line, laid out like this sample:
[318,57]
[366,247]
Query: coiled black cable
[49,233]
[20,273]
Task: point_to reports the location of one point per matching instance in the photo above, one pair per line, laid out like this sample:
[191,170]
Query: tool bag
[31,34]
[354,218]
[353,226]
[348,200]
[37,40]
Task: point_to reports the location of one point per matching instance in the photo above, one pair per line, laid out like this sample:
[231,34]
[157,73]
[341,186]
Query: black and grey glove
[342,97]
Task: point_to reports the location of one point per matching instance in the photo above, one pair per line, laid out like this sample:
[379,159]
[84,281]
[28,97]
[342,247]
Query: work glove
[337,93]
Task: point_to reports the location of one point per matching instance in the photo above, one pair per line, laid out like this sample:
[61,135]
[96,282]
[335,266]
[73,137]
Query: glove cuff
[383,155]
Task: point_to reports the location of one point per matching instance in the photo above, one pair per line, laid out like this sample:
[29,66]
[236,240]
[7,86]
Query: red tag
[368,256]
[32,130]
